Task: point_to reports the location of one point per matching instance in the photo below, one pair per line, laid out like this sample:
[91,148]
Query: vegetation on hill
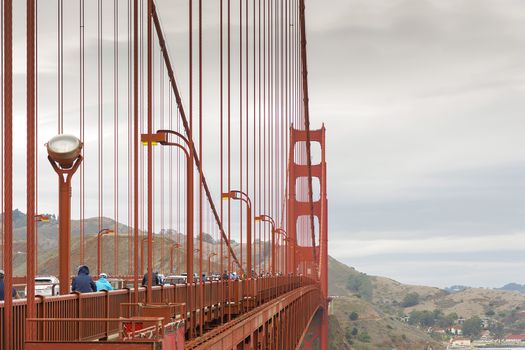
[382,303]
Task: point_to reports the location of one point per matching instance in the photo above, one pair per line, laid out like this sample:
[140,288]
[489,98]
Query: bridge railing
[107,304]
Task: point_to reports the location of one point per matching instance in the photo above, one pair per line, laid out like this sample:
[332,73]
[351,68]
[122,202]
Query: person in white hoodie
[102,283]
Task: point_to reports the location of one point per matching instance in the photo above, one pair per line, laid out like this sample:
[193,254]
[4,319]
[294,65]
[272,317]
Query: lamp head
[64,149]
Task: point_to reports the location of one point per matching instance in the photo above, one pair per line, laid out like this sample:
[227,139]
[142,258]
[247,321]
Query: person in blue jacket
[102,283]
[83,283]
[2,288]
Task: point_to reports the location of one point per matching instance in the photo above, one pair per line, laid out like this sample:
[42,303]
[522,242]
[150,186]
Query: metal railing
[107,304]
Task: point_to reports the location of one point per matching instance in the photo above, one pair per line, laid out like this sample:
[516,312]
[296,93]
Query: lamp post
[41,218]
[285,238]
[104,231]
[38,218]
[239,195]
[209,262]
[267,218]
[290,260]
[162,137]
[65,158]
[172,248]
[142,252]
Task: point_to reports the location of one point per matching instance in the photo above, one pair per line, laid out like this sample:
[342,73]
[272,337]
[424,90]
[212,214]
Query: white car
[174,279]
[47,285]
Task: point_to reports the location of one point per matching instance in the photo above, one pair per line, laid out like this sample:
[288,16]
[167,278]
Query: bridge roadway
[267,313]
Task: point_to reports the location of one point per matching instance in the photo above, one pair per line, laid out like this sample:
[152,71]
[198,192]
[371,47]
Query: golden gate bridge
[202,156]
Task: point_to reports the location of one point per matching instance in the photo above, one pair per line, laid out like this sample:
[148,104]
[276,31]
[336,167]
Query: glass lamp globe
[64,149]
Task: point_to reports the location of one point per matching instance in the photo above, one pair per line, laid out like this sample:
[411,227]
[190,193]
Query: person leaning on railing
[2,288]
[83,283]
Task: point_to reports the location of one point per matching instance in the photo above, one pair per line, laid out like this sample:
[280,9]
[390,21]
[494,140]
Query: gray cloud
[423,102]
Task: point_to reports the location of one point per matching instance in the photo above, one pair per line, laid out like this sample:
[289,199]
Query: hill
[376,326]
[381,301]
[514,287]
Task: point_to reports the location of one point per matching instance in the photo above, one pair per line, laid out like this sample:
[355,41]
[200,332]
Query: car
[175,279]
[46,286]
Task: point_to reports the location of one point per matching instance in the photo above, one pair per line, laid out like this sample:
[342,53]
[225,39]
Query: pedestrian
[83,283]
[2,288]
[102,283]
[154,282]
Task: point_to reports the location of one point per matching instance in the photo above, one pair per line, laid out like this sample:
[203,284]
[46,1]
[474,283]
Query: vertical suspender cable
[162,156]
[30,184]
[264,128]
[254,106]
[36,133]
[201,284]
[2,182]
[115,131]
[248,242]
[240,122]
[100,121]
[8,170]
[230,267]
[130,138]
[82,136]
[190,235]
[259,179]
[221,156]
[150,151]
[135,152]
[60,70]
[141,111]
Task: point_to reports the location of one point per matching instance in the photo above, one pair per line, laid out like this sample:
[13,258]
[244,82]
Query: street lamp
[38,218]
[267,218]
[172,248]
[104,231]
[41,218]
[291,262]
[239,195]
[142,252]
[65,158]
[285,238]
[161,137]
[209,262]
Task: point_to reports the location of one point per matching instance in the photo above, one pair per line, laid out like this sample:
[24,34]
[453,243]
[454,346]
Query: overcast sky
[423,103]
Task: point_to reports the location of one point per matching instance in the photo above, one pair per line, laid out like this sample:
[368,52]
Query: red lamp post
[267,218]
[285,238]
[142,252]
[239,195]
[172,248]
[104,231]
[162,137]
[38,218]
[65,158]
[209,262]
